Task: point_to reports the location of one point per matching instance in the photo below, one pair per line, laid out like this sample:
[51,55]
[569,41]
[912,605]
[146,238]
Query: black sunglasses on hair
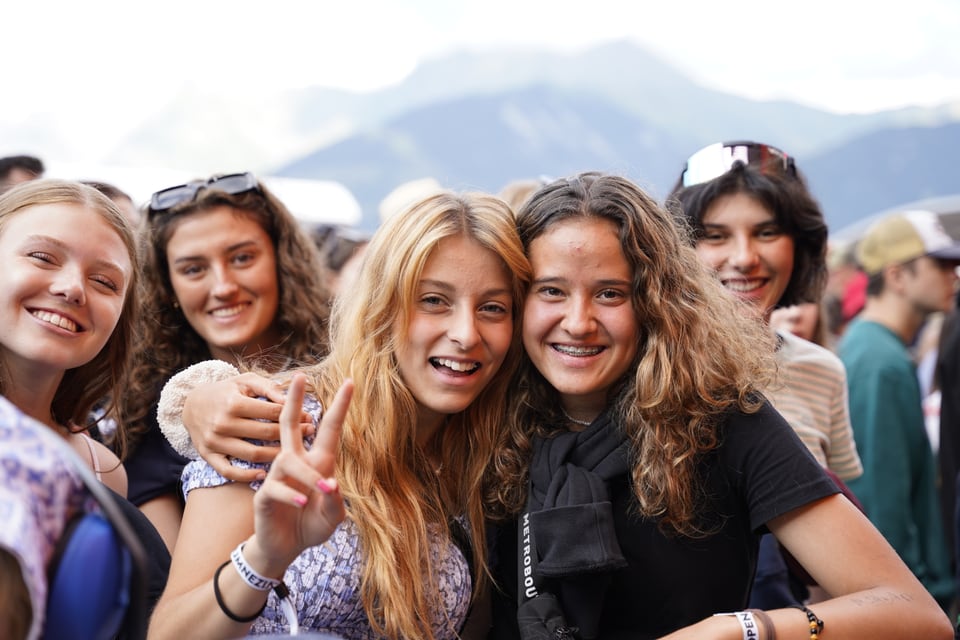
[232,183]
[716,159]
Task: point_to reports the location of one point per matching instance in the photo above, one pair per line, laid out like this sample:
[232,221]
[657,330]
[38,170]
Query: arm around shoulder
[174,395]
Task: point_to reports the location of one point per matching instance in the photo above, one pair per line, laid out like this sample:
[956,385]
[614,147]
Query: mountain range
[479,120]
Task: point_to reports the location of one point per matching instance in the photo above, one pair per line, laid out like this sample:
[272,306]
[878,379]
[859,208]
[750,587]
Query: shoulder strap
[94,458]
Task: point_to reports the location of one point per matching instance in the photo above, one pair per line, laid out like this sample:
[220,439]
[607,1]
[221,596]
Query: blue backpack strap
[102,564]
[89,582]
[82,562]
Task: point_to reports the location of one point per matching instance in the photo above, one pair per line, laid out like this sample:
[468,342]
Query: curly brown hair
[699,357]
[169,343]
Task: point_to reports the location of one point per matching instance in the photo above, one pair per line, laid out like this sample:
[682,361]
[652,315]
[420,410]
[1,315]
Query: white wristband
[249,574]
[747,623]
[174,395]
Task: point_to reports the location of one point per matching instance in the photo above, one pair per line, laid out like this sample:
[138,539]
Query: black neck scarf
[568,547]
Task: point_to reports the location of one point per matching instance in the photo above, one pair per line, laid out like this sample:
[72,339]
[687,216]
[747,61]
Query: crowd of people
[563,411]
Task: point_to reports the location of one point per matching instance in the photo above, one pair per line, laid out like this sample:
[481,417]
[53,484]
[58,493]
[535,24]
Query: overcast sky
[111,60]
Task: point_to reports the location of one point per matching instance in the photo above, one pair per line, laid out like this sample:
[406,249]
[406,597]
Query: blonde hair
[393,494]
[82,387]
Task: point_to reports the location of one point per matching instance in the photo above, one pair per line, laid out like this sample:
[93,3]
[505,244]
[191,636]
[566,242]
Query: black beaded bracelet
[223,606]
[816,624]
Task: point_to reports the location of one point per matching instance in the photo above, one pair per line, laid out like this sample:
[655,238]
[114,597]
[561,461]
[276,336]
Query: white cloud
[848,55]
[111,62]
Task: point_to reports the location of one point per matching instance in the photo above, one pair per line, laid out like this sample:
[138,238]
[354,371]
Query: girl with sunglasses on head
[392,486]
[643,460]
[756,226]
[228,274]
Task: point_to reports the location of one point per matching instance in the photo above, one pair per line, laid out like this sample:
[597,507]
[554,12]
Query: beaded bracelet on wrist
[816,624]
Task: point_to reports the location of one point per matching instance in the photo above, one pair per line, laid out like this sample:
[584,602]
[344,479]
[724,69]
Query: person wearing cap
[910,263]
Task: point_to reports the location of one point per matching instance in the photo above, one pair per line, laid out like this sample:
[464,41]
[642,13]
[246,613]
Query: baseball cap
[902,237]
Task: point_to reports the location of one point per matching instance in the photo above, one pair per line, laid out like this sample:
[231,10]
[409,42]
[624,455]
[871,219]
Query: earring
[176,305]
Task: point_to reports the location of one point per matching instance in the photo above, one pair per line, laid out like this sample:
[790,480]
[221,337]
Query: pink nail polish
[300,500]
[323,486]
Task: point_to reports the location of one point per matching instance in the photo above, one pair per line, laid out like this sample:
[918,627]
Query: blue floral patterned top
[324,581]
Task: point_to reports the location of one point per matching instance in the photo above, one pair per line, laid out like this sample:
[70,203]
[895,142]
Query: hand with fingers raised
[299,504]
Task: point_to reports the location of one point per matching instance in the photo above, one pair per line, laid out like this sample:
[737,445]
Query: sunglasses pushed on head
[232,183]
[716,159]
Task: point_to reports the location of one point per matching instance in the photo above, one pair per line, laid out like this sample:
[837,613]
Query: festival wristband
[747,623]
[250,576]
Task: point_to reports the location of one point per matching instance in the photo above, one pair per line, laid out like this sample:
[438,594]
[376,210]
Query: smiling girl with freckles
[67,303]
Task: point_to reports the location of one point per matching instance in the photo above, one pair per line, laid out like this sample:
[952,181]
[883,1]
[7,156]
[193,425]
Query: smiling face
[460,329]
[62,287]
[579,325]
[751,254]
[223,270]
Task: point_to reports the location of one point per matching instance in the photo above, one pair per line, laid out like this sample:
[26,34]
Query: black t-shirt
[760,470]
[948,371]
[153,467]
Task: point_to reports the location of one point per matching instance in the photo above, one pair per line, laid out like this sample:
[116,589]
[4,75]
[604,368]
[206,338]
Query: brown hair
[16,610]
[170,344]
[698,358]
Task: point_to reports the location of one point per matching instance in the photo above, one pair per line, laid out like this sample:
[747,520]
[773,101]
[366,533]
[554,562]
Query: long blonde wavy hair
[394,495]
[699,355]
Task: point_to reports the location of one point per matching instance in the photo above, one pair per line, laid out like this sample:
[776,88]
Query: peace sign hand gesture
[299,504]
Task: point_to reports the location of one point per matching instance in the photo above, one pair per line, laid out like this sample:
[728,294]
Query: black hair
[31,164]
[794,209]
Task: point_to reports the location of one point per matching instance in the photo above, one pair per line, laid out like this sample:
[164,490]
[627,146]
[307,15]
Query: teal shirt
[898,487]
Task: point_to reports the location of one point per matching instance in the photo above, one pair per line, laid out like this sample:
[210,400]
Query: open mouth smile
[744,286]
[57,320]
[228,312]
[577,352]
[454,365]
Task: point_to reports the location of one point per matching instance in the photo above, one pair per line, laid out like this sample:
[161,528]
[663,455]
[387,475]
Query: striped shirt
[812,396]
